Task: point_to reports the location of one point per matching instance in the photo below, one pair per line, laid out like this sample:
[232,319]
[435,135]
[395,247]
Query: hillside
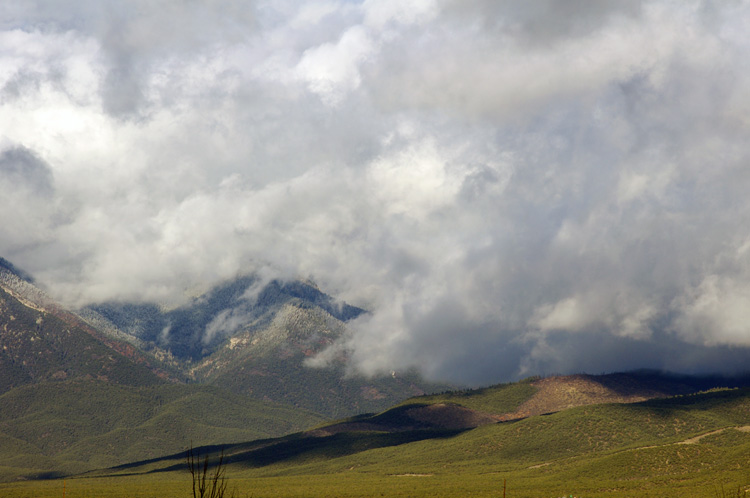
[531,397]
[269,363]
[37,333]
[120,385]
[73,398]
[250,336]
[36,346]
[689,445]
[57,428]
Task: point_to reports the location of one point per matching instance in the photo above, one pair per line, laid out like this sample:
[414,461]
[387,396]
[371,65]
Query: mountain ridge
[257,377]
[247,335]
[254,338]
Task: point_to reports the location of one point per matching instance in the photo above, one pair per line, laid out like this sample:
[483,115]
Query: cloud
[27,181]
[510,189]
[331,70]
[20,168]
[547,21]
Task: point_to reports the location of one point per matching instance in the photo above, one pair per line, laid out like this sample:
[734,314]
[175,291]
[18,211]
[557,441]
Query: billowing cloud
[21,169]
[510,188]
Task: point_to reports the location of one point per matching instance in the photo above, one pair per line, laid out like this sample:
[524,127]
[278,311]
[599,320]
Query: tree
[205,485]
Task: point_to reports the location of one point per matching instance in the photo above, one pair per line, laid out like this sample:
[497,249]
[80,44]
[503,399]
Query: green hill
[77,396]
[74,397]
[685,445]
[57,428]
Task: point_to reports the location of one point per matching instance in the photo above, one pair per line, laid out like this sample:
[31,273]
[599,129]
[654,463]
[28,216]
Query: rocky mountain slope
[36,331]
[74,398]
[37,346]
[250,336]
[254,338]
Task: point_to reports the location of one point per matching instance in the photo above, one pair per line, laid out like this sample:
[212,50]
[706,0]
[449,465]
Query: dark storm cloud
[510,188]
[28,203]
[21,168]
[546,21]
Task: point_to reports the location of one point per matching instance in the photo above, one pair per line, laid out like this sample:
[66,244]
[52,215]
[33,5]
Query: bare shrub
[207,484]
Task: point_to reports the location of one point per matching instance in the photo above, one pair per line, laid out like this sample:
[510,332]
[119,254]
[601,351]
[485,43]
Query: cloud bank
[511,188]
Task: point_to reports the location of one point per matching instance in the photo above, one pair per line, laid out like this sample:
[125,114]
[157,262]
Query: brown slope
[37,346]
[450,416]
[22,290]
[444,416]
[559,393]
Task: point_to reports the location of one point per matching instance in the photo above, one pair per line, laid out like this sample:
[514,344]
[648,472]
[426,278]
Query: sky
[510,188]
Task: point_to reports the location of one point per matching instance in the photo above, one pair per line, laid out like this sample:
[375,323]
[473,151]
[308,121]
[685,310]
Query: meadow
[685,446]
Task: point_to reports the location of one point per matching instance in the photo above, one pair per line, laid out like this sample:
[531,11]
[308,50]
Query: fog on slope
[508,188]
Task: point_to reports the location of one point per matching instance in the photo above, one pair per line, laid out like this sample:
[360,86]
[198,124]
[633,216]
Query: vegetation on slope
[73,426]
[83,404]
[681,446]
[270,363]
[38,346]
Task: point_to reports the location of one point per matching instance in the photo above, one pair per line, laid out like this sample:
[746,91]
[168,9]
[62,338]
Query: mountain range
[76,384]
[245,335]
[127,387]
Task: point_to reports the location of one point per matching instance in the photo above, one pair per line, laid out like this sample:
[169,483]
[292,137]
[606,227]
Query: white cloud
[378,13]
[332,70]
[507,186]
[412,182]
[716,312]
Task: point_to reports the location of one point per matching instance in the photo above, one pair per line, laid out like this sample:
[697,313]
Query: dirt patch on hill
[555,394]
[696,439]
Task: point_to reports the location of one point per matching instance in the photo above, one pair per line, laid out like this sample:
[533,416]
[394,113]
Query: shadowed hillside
[678,446]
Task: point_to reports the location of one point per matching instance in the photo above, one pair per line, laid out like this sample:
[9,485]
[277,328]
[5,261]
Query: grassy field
[60,428]
[570,479]
[687,446]
[501,398]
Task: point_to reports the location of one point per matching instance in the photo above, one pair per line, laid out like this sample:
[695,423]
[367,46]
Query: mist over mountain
[103,387]
[40,344]
[250,337]
[193,330]
[260,339]
[508,188]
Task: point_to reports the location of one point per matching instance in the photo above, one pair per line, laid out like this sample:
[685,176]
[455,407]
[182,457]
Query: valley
[685,445]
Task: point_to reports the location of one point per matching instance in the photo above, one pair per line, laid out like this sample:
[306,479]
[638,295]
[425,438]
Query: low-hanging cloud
[509,189]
